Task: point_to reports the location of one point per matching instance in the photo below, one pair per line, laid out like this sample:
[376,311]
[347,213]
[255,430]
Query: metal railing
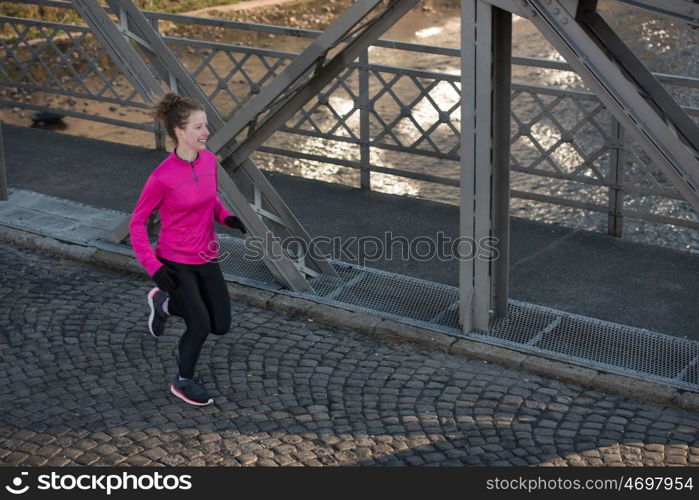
[566,149]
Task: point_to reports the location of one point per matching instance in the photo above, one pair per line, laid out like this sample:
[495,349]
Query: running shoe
[191,391]
[157,318]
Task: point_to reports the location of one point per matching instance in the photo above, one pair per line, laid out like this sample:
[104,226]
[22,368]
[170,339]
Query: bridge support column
[485,139]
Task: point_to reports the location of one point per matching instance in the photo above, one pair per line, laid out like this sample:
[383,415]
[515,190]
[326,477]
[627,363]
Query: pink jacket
[185,195]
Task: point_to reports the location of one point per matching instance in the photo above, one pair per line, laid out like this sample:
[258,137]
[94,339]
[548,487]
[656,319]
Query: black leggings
[201,298]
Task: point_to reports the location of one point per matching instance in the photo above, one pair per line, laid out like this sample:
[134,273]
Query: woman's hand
[235,223]
[165,279]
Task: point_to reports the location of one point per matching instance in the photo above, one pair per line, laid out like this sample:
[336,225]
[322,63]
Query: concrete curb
[388,329]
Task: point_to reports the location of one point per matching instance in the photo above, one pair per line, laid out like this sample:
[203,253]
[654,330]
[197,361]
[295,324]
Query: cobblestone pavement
[85,384]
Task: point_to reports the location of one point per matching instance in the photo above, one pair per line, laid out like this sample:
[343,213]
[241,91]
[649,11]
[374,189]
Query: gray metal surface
[476,167]
[119,49]
[502,112]
[617,159]
[527,327]
[659,98]
[595,343]
[58,218]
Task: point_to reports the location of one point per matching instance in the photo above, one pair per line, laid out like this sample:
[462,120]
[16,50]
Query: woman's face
[194,134]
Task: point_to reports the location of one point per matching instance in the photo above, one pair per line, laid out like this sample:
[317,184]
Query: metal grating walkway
[527,327]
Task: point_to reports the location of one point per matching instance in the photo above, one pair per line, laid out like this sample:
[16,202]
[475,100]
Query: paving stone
[655,447]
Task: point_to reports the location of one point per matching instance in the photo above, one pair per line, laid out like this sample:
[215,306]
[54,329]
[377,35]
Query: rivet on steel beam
[556,11]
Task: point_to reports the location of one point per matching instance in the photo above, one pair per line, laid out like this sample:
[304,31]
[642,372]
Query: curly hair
[174,110]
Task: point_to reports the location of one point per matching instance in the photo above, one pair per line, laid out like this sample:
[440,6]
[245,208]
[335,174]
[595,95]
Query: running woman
[189,280]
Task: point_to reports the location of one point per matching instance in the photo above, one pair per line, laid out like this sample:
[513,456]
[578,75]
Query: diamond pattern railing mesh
[229,75]
[411,113]
[334,114]
[563,149]
[560,136]
[56,59]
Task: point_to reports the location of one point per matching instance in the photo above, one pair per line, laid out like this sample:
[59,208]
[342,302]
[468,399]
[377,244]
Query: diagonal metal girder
[119,48]
[655,93]
[136,26]
[622,84]
[305,61]
[284,269]
[309,89]
[682,10]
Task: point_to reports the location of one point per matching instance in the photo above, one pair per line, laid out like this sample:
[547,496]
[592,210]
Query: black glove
[235,223]
[165,279]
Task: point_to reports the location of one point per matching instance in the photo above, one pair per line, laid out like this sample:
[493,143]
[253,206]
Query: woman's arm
[147,203]
[220,212]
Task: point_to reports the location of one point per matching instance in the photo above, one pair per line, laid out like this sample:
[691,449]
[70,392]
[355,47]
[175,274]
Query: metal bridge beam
[485,138]
[502,109]
[626,88]
[663,103]
[122,53]
[297,69]
[274,120]
[626,98]
[136,26]
[682,10]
